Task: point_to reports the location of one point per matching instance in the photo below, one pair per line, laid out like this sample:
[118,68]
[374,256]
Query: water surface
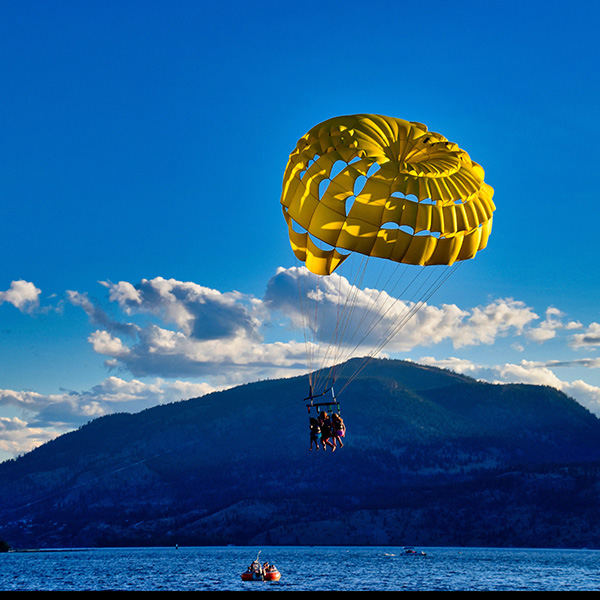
[302,569]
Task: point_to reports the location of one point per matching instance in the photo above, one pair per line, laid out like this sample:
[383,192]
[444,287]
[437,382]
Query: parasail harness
[318,401]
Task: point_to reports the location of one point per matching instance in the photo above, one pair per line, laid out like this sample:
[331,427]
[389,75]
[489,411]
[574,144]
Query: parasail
[379,188]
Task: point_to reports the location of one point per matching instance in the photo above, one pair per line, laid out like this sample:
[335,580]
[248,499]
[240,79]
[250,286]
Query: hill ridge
[420,439]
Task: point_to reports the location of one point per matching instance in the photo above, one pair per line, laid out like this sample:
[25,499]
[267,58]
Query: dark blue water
[302,569]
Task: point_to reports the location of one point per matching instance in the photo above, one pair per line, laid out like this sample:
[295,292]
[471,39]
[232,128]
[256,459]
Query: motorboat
[261,572]
[266,575]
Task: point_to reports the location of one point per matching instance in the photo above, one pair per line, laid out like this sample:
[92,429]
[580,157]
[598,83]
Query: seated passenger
[315,433]
[339,429]
[326,431]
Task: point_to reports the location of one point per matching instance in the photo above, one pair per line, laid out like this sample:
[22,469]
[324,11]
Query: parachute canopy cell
[383,187]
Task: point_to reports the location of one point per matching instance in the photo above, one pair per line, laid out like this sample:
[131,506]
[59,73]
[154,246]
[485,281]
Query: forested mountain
[430,458]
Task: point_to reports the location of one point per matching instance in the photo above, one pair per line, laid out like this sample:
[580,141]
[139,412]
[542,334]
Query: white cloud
[527,372]
[549,326]
[98,316]
[589,338]
[23,295]
[43,417]
[480,325]
[188,330]
[114,390]
[198,311]
[17,437]
[375,314]
[195,331]
[458,365]
[124,293]
[104,342]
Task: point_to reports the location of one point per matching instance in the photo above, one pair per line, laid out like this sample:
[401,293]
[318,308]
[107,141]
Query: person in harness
[315,433]
[338,429]
[326,431]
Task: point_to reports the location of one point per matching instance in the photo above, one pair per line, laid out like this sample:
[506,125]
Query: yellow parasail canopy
[423,202]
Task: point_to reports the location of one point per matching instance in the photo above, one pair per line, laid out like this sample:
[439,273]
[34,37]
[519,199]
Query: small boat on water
[261,572]
[410,551]
[273,575]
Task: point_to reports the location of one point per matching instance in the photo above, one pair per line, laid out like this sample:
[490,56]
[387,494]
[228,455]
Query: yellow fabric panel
[408,216]
[445,198]
[462,223]
[446,251]
[317,260]
[335,197]
[423,220]
[420,250]
[486,230]
[357,236]
[363,210]
[303,210]
[322,262]
[470,244]
[299,243]
[326,224]
[450,220]
[385,243]
[437,218]
[401,245]
[376,190]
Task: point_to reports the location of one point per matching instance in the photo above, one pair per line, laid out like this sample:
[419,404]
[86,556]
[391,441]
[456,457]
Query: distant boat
[261,572]
[410,551]
[271,575]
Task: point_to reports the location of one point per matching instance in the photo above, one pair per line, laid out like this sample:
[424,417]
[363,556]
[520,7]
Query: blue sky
[142,154]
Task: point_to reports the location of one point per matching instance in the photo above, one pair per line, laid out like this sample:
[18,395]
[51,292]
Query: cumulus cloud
[199,312]
[548,328]
[186,330]
[97,314]
[171,328]
[589,338]
[18,437]
[181,329]
[479,325]
[44,416]
[375,316]
[23,295]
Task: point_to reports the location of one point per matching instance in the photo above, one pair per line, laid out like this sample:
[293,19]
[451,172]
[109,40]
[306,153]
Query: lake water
[302,569]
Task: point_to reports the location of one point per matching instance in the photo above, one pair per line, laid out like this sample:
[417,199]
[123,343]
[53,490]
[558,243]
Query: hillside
[431,458]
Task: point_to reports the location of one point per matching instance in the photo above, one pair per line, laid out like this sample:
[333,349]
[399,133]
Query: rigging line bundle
[420,294]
